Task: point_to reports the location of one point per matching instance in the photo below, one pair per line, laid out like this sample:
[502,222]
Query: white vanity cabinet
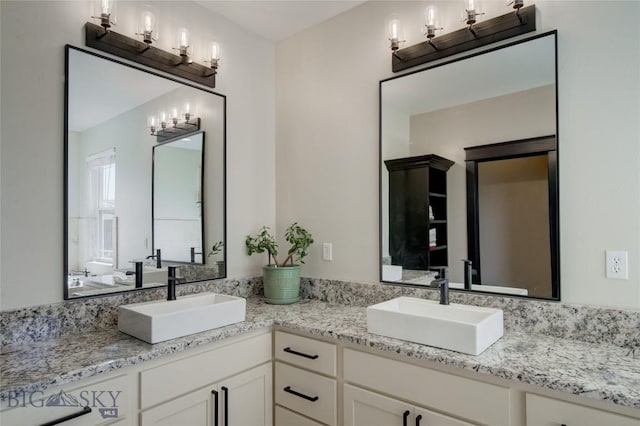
[365,408]
[243,399]
[230,386]
[305,388]
[460,398]
[544,411]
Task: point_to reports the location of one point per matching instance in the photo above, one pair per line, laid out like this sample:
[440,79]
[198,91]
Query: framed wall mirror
[464,147]
[130,193]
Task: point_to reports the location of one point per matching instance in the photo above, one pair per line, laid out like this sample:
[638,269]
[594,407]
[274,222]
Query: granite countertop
[603,372]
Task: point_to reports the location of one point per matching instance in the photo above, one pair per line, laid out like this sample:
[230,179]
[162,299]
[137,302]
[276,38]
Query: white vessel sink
[461,328]
[156,321]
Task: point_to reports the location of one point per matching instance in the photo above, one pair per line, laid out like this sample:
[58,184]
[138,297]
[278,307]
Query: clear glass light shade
[431,16]
[104,6]
[215,51]
[162,117]
[395,29]
[472,6]
[184,38]
[148,23]
[152,121]
[174,113]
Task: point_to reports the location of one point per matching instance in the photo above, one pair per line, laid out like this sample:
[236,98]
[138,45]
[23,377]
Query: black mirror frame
[554,221]
[65,221]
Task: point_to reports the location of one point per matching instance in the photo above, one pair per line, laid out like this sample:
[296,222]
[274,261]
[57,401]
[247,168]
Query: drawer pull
[301,395]
[418,419]
[405,416]
[225,392]
[215,407]
[291,351]
[85,410]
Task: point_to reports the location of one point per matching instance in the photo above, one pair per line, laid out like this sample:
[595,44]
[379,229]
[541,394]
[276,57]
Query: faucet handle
[443,272]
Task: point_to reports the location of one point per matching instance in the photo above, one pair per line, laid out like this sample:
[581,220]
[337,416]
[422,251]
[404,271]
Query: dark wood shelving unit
[415,183]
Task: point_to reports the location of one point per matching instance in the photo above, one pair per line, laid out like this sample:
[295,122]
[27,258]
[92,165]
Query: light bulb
[430,16]
[148,27]
[186,111]
[215,51]
[105,11]
[183,35]
[106,6]
[394,29]
[151,121]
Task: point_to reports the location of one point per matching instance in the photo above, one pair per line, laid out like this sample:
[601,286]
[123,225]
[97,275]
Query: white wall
[32,36]
[327,138]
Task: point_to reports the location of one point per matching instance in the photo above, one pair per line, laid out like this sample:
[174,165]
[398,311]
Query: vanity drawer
[307,353]
[543,411]
[286,417]
[307,393]
[473,400]
[180,377]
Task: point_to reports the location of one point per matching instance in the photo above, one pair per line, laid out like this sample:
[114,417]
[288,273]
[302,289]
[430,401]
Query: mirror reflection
[113,180]
[465,146]
[177,199]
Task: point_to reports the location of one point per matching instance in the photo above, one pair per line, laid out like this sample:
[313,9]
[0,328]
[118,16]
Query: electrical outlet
[327,251]
[617,264]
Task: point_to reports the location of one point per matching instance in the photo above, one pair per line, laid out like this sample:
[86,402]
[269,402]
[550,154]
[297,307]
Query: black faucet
[442,282]
[193,254]
[139,267]
[468,271]
[172,280]
[157,257]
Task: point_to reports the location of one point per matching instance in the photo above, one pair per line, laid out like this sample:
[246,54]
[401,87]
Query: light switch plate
[327,251]
[617,264]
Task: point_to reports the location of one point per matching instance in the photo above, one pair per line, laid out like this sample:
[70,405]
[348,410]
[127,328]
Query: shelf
[437,222]
[437,195]
[437,248]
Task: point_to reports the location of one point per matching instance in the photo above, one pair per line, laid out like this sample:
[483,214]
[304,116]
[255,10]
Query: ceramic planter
[281,284]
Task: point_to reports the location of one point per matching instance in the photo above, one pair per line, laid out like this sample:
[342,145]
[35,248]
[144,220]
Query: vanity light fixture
[214,58]
[431,23]
[105,12]
[181,65]
[394,35]
[170,126]
[475,35]
[148,27]
[184,46]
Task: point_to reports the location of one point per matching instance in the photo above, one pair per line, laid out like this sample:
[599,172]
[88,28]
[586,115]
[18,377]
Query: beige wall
[448,131]
[513,214]
[32,36]
[327,139]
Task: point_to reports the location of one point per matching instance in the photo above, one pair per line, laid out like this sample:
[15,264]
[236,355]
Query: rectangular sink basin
[158,321]
[461,328]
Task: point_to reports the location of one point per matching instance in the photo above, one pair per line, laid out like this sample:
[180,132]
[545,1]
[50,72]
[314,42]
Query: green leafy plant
[216,248]
[299,238]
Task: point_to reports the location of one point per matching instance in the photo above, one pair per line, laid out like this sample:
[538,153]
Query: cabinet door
[429,418]
[364,408]
[193,409]
[246,399]
[543,411]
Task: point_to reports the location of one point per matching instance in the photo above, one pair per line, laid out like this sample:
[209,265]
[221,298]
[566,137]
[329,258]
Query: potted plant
[281,279]
[215,249]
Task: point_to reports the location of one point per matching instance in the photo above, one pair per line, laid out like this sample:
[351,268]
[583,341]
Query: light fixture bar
[486,32]
[138,51]
[179,130]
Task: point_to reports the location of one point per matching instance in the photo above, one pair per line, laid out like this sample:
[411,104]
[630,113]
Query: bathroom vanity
[326,369]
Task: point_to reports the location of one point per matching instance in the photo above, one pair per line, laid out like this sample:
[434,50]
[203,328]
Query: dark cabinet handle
[291,351]
[215,407]
[301,395]
[85,410]
[405,416]
[225,392]
[418,418]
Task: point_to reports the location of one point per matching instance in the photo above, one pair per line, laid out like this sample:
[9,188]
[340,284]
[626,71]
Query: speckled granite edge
[584,323]
[100,313]
[596,371]
[591,324]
